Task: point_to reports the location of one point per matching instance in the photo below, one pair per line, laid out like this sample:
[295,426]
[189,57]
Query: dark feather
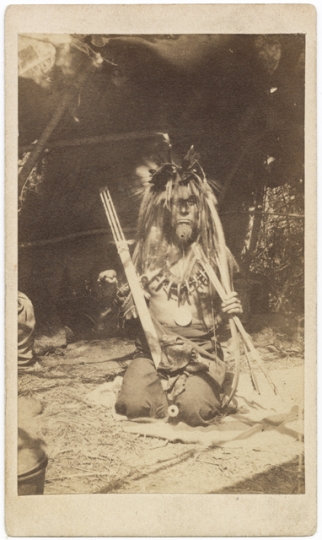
[162,176]
[190,159]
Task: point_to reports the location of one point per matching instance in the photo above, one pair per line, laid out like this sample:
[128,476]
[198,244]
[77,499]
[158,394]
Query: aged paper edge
[160,515]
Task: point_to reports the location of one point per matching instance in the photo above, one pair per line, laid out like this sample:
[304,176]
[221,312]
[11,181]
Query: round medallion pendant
[182,315]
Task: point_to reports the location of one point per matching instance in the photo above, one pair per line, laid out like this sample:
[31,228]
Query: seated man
[177,213]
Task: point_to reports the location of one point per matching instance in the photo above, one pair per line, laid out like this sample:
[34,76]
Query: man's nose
[184,209]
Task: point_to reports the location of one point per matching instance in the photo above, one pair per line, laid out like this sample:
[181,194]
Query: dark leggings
[142,395]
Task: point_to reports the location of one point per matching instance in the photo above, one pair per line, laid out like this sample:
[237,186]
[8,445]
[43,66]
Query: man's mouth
[183,221]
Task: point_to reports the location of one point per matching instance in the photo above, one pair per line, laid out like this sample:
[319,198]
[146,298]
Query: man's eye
[183,202]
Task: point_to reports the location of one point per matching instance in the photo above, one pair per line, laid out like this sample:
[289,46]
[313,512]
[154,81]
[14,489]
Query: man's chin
[184,233]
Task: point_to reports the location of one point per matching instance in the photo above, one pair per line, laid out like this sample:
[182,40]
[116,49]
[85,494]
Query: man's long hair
[154,249]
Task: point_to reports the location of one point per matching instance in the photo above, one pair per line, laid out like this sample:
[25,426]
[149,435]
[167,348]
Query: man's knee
[132,407]
[141,394]
[199,404]
[140,405]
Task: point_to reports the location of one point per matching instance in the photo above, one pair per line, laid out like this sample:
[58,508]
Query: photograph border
[160,515]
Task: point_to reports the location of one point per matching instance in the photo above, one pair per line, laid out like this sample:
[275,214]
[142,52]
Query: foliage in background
[35,178]
[280,249]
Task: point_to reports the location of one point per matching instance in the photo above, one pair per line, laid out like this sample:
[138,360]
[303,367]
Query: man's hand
[107,277]
[231,306]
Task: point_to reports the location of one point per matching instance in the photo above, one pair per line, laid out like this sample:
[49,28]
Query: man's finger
[233,294]
[237,307]
[230,297]
[236,310]
[232,302]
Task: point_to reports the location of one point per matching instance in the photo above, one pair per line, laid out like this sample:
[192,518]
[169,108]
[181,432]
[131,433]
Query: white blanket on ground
[258,420]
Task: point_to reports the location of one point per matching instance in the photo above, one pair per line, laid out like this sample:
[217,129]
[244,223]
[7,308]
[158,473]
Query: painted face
[184,215]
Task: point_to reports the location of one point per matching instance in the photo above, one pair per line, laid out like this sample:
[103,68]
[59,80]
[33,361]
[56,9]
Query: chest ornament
[180,290]
[174,286]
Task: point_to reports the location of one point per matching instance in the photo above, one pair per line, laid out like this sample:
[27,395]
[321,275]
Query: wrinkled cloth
[197,395]
[26,328]
[196,334]
[176,354]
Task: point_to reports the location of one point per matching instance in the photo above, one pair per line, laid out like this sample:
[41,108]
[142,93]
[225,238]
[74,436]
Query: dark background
[239,99]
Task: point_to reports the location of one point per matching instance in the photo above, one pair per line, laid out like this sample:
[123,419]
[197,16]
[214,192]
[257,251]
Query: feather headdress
[154,243]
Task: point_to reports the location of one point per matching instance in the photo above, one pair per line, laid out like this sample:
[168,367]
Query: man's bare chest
[183,304]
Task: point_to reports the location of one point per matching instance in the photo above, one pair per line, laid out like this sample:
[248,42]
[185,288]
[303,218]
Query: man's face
[184,215]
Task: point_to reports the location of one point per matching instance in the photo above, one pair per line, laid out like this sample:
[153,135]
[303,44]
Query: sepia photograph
[161,263]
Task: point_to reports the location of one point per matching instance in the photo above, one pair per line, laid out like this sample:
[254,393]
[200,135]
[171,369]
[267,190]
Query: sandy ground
[91,451]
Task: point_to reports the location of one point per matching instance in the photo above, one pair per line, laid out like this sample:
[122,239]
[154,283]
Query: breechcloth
[26,326]
[142,395]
